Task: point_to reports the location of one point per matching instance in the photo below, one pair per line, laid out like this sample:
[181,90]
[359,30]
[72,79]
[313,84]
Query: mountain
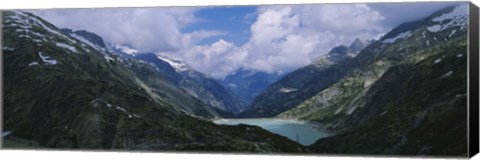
[124,49]
[404,94]
[219,101]
[91,39]
[302,83]
[85,36]
[415,108]
[247,84]
[410,40]
[62,92]
[147,73]
[340,53]
[357,45]
[197,84]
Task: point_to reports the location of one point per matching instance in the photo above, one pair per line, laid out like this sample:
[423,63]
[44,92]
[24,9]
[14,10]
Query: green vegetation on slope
[414,108]
[63,93]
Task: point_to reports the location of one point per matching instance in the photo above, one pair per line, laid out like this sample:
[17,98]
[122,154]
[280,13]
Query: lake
[301,132]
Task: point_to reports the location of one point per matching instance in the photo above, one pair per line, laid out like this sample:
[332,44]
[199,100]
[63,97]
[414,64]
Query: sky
[221,40]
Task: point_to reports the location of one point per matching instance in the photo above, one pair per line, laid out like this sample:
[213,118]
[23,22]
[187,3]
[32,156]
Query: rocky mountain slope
[302,83]
[416,108]
[403,94]
[63,92]
[219,101]
[158,81]
[197,84]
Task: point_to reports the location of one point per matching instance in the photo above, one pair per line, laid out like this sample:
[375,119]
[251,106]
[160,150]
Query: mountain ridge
[197,84]
[85,98]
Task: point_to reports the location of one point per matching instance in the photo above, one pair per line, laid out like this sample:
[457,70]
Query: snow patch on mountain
[29,37]
[126,49]
[47,59]
[460,12]
[451,34]
[457,17]
[120,108]
[399,36]
[447,74]
[8,48]
[176,64]
[66,46]
[434,28]
[108,58]
[133,115]
[6,133]
[25,22]
[80,38]
[41,24]
[27,33]
[33,64]
[287,90]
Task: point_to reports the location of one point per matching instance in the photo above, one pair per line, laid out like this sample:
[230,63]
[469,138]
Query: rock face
[62,91]
[402,94]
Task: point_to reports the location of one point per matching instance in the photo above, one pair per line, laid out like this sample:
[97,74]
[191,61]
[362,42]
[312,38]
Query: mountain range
[293,88]
[63,91]
[404,93]
[197,84]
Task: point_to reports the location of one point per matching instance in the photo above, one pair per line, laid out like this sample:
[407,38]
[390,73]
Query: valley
[403,93]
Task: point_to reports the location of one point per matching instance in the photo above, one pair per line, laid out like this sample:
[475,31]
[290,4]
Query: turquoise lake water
[291,129]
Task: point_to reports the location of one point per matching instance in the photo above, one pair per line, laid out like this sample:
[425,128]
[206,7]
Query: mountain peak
[356,45]
[176,64]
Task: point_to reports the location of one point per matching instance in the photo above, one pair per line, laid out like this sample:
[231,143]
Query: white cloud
[217,59]
[148,29]
[346,19]
[286,37]
[283,37]
[192,38]
[271,25]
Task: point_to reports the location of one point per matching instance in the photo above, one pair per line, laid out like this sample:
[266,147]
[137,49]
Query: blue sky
[235,21]
[221,40]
